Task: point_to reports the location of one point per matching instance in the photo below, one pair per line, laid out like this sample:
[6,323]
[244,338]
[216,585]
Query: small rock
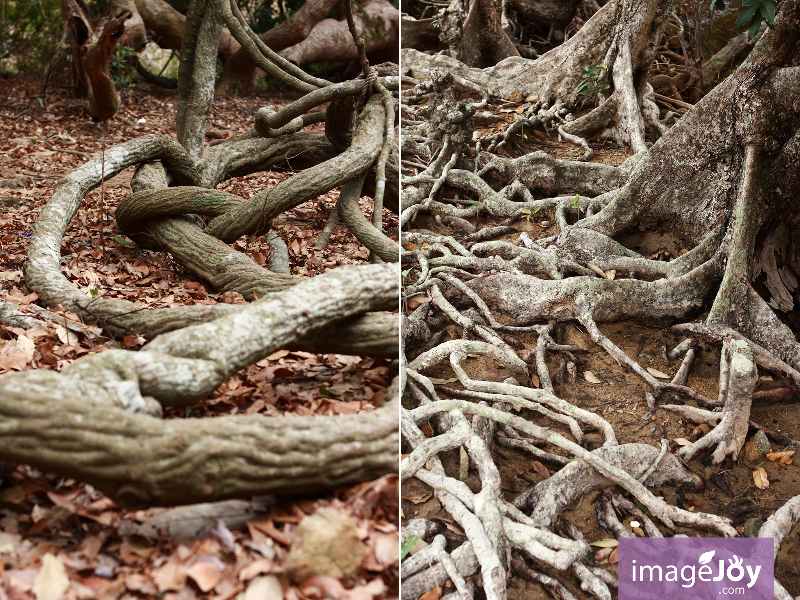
[325,543]
[545,224]
[652,430]
[558,35]
[532,99]
[516,97]
[750,452]
[592,439]
[647,416]
[16,182]
[761,443]
[752,526]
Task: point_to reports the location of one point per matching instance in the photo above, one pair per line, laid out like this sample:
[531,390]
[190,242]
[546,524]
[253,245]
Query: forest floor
[104,548]
[604,387]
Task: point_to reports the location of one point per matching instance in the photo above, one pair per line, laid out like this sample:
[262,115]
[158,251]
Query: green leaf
[406,272]
[93,292]
[329,392]
[767,10]
[752,2]
[754,27]
[406,546]
[123,242]
[588,91]
[745,17]
[575,200]
[718,4]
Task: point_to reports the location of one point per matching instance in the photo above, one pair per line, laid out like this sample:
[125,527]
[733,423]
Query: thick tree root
[139,460]
[729,435]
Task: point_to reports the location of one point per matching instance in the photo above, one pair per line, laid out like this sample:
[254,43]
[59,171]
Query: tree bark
[139,460]
[330,40]
[92,47]
[474,33]
[196,75]
[239,71]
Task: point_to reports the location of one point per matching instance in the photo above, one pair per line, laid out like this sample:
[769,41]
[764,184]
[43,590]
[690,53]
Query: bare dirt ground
[620,398]
[97,541]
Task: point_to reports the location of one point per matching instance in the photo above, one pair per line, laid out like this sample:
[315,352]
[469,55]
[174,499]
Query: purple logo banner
[696,568]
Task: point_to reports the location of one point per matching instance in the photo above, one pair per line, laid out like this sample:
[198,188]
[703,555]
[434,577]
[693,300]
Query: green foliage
[121,68]
[592,80]
[752,15]
[528,213]
[123,242]
[453,36]
[406,546]
[269,13]
[717,64]
[29,33]
[190,413]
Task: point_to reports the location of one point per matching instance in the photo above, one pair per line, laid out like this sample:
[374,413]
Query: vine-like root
[492,291]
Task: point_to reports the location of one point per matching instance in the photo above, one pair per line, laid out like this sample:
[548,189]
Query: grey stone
[325,543]
[761,443]
[752,526]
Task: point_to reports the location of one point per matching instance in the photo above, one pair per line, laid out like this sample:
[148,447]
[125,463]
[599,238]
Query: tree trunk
[92,47]
[239,71]
[330,40]
[548,13]
[474,33]
[617,38]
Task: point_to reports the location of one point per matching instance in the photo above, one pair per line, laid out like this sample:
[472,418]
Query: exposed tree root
[139,459]
[485,283]
[614,38]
